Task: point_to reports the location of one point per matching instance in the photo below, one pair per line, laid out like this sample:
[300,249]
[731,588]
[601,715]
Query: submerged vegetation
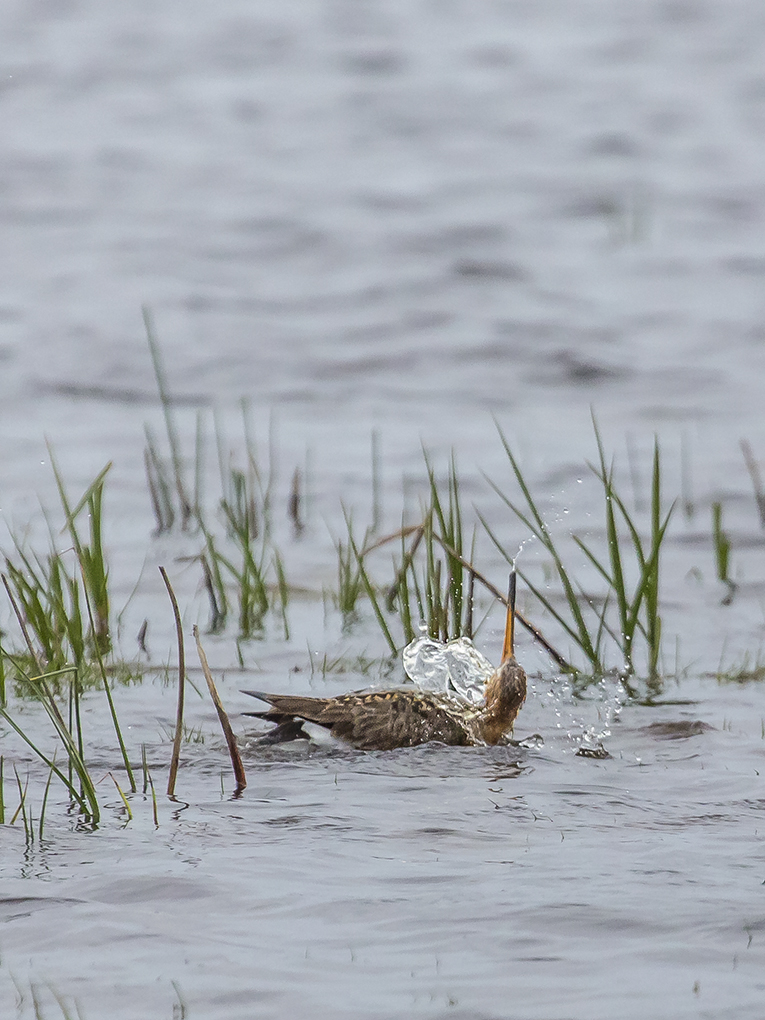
[598,593]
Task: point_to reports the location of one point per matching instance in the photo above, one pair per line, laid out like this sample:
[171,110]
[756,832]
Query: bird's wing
[388,719]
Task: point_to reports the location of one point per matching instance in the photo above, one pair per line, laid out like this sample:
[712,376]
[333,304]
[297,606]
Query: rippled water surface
[501,882]
[408,217]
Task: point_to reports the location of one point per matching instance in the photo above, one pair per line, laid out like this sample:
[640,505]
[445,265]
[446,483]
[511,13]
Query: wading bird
[403,717]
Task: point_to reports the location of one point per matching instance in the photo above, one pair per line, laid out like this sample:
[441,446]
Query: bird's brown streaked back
[375,720]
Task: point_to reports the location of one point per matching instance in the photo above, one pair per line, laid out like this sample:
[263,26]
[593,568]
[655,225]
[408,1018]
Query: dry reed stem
[401,533]
[181,687]
[407,560]
[228,733]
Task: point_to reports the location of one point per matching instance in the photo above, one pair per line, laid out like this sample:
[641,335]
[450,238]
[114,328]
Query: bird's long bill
[508,649]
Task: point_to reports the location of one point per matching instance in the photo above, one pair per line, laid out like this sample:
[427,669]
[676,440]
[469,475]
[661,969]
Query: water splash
[584,723]
[456,668]
[527,541]
[610,698]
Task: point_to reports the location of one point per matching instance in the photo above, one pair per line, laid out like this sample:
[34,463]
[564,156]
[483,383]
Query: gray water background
[409,217]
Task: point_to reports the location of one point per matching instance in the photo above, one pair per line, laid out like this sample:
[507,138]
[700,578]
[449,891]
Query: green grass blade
[167,410]
[73,792]
[44,805]
[284,593]
[539,530]
[110,700]
[372,596]
[547,604]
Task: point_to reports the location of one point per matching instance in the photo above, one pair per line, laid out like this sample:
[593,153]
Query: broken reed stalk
[401,533]
[181,687]
[228,733]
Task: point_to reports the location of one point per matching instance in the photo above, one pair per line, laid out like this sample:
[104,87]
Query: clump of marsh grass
[68,726]
[431,584]
[629,552]
[445,589]
[63,616]
[91,558]
[65,609]
[434,577]
[24,809]
[749,669]
[242,569]
[251,575]
[373,594]
[350,583]
[77,779]
[166,486]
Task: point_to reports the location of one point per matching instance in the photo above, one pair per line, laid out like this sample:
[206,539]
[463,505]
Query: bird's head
[506,687]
